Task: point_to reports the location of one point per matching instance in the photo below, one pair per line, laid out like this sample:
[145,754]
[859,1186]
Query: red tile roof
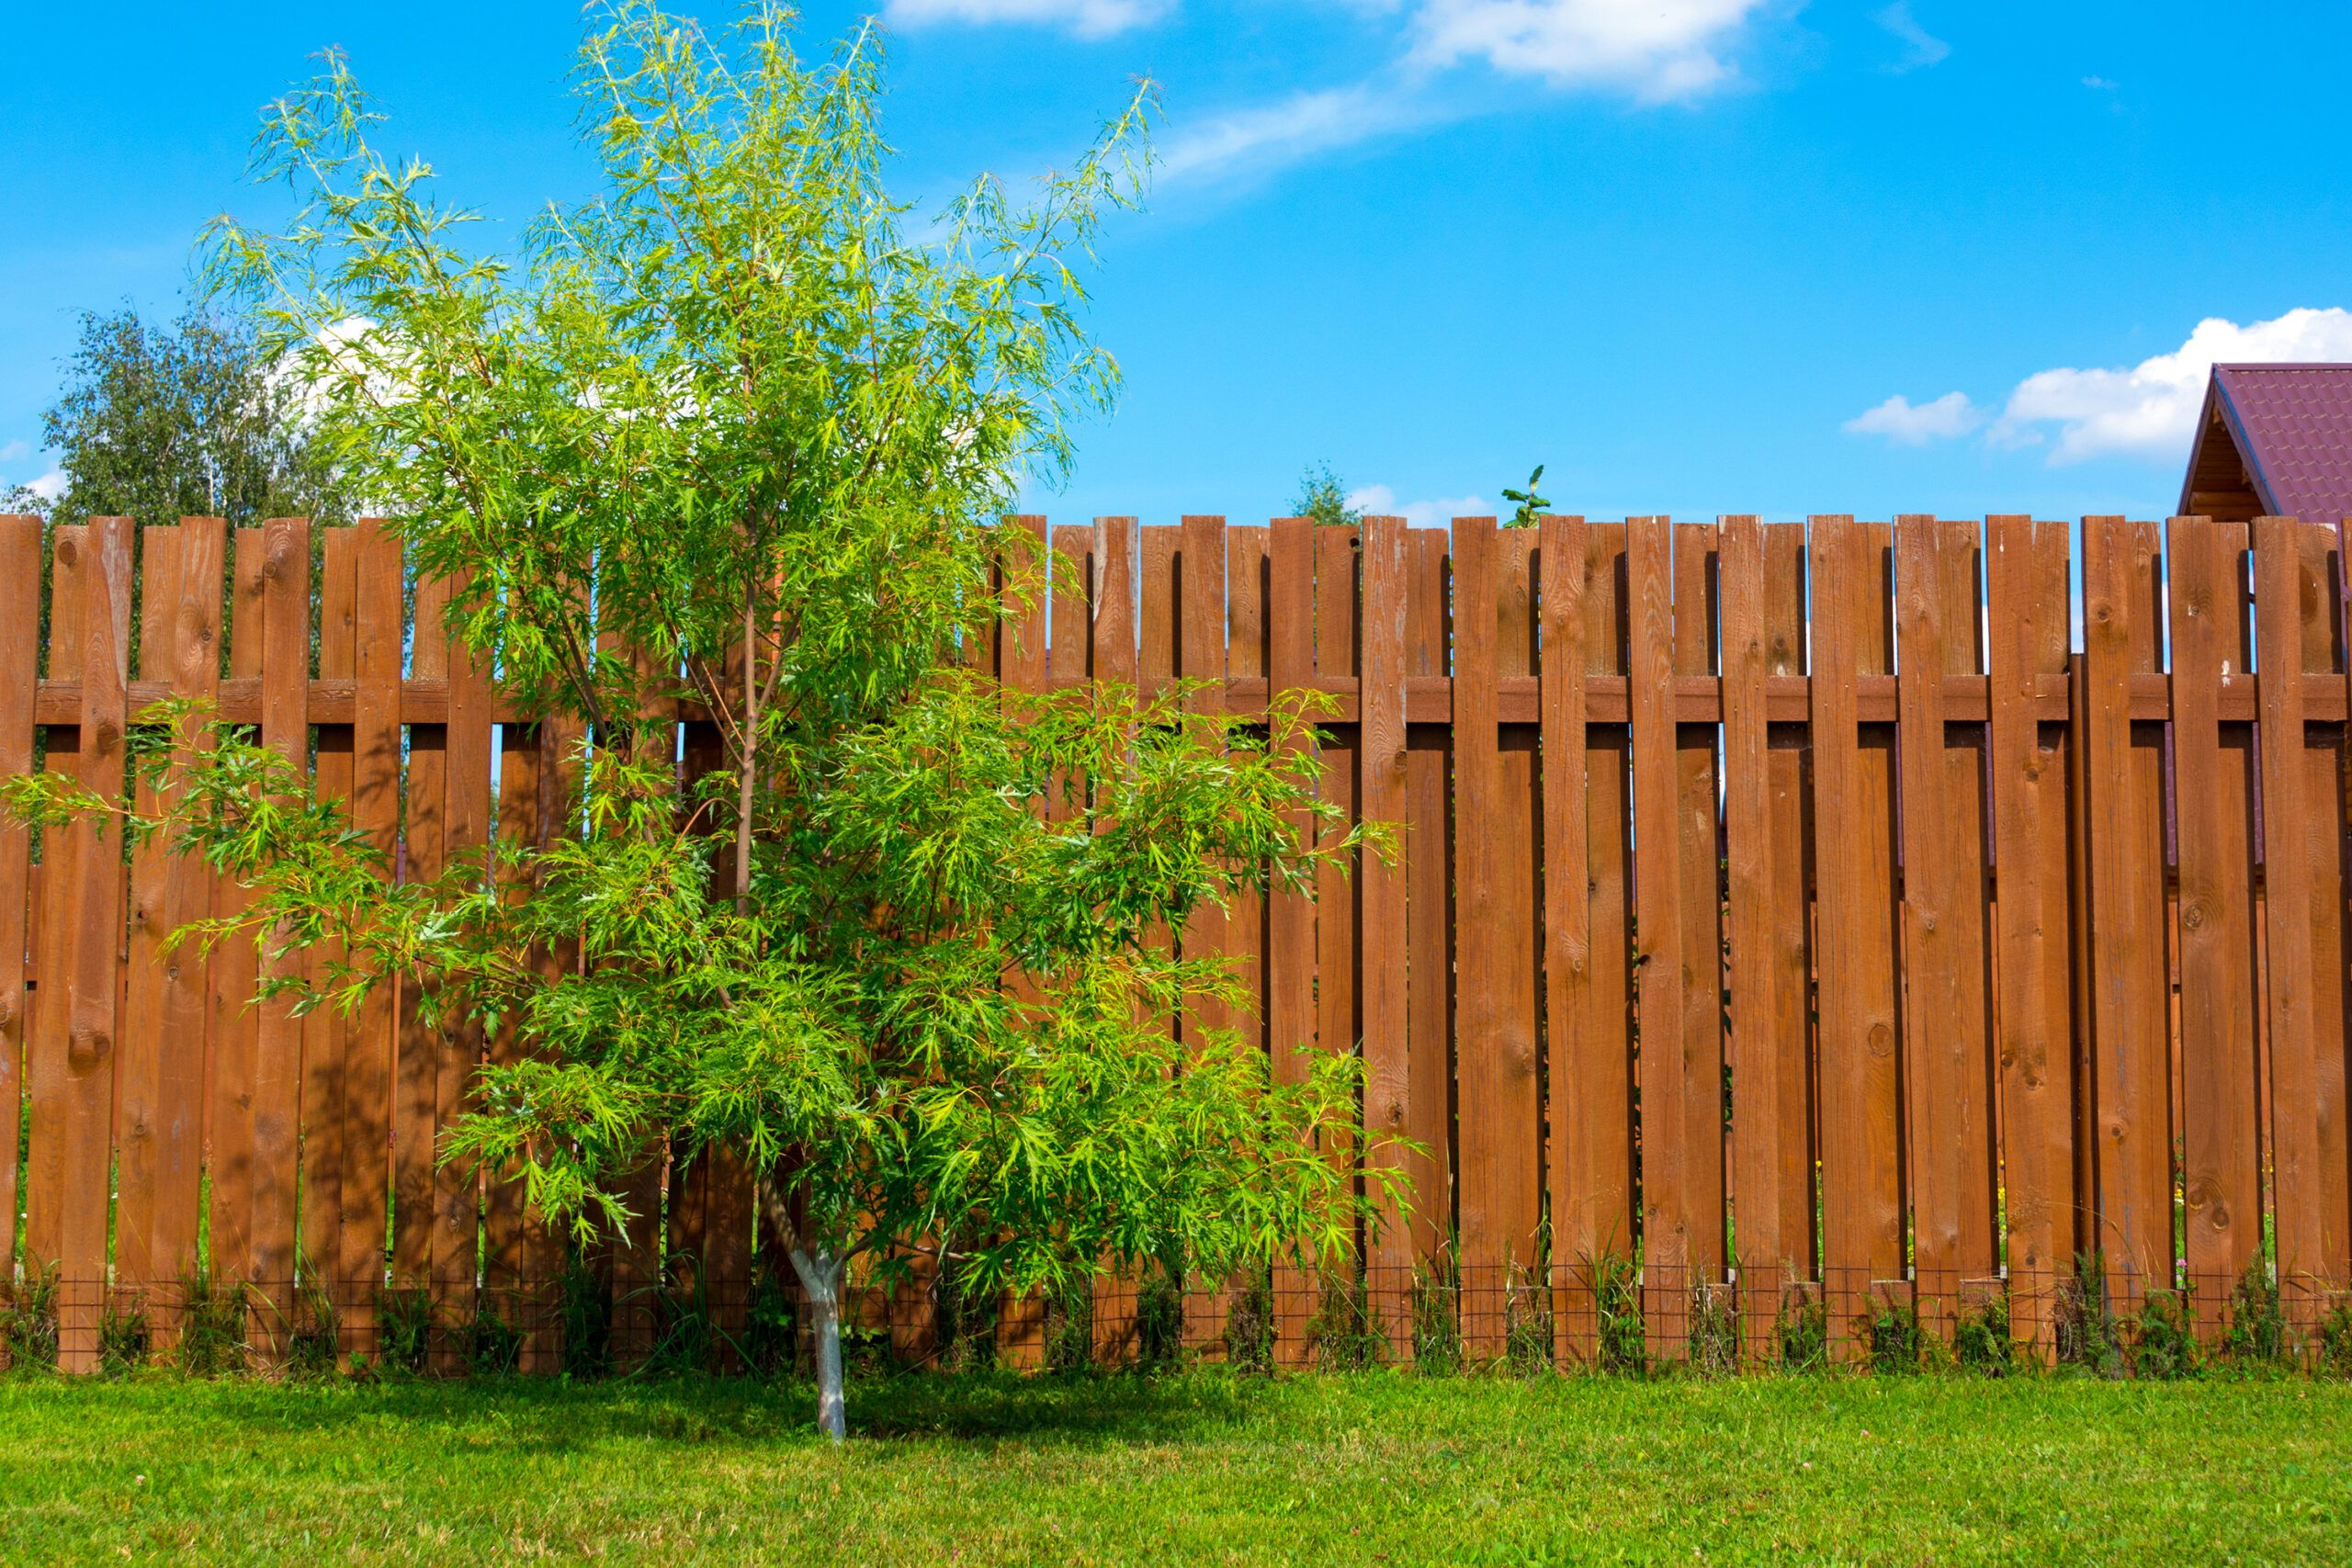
[2293,427]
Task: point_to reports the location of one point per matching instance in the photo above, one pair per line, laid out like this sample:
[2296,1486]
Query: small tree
[1322,497]
[726,435]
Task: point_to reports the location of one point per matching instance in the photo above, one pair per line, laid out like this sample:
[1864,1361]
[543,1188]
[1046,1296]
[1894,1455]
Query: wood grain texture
[19,668]
[1428,875]
[2029,636]
[1698,818]
[2214,797]
[1568,923]
[1756,974]
[2130,1066]
[1382,764]
[1664,973]
[2290,992]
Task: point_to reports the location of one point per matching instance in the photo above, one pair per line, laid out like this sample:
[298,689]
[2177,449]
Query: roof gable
[2292,427]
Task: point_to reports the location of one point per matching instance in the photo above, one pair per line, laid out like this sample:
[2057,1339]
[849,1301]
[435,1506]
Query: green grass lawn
[1200,1468]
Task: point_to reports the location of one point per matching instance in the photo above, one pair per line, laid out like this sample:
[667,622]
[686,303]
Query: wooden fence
[1785,908]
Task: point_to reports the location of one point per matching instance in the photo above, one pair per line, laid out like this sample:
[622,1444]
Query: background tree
[158,422]
[1322,497]
[727,434]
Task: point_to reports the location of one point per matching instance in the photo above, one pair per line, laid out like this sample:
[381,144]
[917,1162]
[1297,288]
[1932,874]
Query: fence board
[19,668]
[2324,847]
[1382,762]
[1934,1048]
[1699,822]
[235,1022]
[465,829]
[423,854]
[2292,982]
[328,1139]
[1600,1220]
[1111,659]
[2213,798]
[379,615]
[2131,1078]
[2029,639]
[1567,918]
[92,977]
[141,1135]
[1758,1209]
[1429,904]
[1663,977]
[1789,802]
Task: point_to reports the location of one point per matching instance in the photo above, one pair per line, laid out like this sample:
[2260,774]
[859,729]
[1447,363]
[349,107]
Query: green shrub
[403,1329]
[1344,1334]
[2164,1337]
[583,1310]
[1160,1317]
[493,1341]
[125,1339]
[1891,1331]
[1982,1343]
[2256,1335]
[2335,1358]
[1802,1336]
[314,1334]
[215,1321]
[1621,1342]
[1713,1347]
[1249,1325]
[1437,1312]
[1069,1325]
[29,1322]
[2083,1322]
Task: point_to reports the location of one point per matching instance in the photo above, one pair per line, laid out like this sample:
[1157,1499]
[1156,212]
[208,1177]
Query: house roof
[2293,427]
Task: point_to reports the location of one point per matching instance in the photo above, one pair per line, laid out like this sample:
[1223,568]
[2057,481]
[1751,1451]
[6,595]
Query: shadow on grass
[553,1417]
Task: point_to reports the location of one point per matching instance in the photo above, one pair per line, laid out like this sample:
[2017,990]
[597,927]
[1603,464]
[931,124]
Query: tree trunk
[820,1276]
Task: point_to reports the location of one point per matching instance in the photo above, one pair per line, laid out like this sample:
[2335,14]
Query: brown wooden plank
[1483,1104]
[1859,1197]
[1517,870]
[1338,1015]
[1429,904]
[1966,832]
[2291,993]
[234,1023]
[1755,1046]
[1290,942]
[1111,659]
[1568,924]
[1383,761]
[1880,971]
[1935,1051]
[1698,820]
[465,828]
[377,632]
[1157,608]
[19,664]
[2029,633]
[277,1054]
[1200,655]
[326,1032]
[2130,1075]
[1788,812]
[1599,1221]
[57,888]
[1247,571]
[92,971]
[1663,977]
[2324,848]
[2213,805]
[144,1119]
[423,853]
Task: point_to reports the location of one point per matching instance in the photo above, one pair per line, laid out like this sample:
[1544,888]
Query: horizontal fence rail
[1798,928]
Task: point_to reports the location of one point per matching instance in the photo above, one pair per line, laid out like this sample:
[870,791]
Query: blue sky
[1683,252]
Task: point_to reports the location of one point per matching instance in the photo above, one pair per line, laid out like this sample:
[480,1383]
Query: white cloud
[49,486]
[1925,48]
[1379,500]
[1657,48]
[2150,410]
[1915,425]
[16,451]
[2098,83]
[1269,135]
[1088,19]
